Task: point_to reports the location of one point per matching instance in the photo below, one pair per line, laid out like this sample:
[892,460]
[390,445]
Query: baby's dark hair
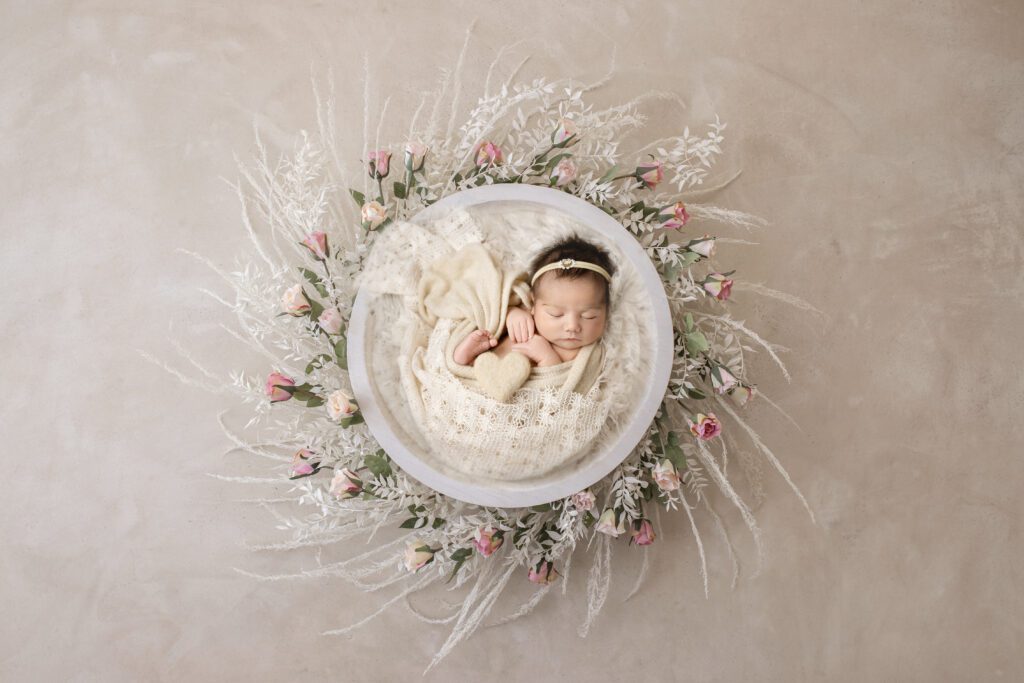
[577,248]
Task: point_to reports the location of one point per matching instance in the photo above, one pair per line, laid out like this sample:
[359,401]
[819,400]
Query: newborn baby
[570,308]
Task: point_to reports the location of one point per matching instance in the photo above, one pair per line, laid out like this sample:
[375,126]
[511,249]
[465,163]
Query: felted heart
[500,377]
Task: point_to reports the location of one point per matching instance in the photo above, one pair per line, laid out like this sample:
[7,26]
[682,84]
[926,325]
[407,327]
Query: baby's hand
[538,349]
[520,325]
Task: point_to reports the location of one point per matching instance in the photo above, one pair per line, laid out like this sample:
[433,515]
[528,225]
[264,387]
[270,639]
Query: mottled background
[881,140]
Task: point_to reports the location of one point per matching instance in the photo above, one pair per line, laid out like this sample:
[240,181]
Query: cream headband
[566,264]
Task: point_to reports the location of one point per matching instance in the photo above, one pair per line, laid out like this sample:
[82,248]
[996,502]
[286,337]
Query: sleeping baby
[570,292]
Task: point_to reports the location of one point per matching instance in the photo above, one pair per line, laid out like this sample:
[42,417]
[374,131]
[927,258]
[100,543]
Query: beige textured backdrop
[882,140]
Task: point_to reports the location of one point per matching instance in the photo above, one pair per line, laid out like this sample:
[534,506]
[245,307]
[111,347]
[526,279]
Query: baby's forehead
[568,292]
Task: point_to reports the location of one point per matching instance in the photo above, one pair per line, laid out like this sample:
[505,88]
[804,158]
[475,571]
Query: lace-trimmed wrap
[542,428]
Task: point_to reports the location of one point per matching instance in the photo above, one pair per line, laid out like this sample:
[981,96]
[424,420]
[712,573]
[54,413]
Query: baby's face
[569,313]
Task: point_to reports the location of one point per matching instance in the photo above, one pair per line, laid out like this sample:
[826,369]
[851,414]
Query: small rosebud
[565,129]
[721,379]
[487,540]
[650,173]
[606,523]
[679,217]
[742,394]
[303,465]
[273,387]
[705,246]
[417,555]
[717,285]
[316,242]
[330,320]
[380,162]
[643,532]
[584,500]
[373,214]
[544,573]
[339,405]
[564,172]
[487,154]
[705,427]
[346,484]
[294,301]
[415,153]
[666,476]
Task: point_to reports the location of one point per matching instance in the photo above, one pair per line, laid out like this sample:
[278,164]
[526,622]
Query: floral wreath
[294,296]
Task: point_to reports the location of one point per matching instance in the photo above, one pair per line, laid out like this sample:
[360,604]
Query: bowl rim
[606,456]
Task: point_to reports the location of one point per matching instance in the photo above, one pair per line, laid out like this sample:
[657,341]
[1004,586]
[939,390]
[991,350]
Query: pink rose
[651,173]
[564,172]
[705,426]
[742,395]
[705,246]
[330,320]
[666,476]
[584,500]
[487,154]
[565,129]
[373,214]
[544,573]
[415,153]
[679,217]
[487,540]
[380,161]
[643,533]
[294,301]
[273,387]
[721,379]
[316,242]
[718,286]
[346,484]
[301,464]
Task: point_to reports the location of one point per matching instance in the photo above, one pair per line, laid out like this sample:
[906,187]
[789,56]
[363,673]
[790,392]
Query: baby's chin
[569,344]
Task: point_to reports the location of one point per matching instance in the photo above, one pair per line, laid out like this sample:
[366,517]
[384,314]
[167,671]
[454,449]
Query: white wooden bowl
[604,457]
